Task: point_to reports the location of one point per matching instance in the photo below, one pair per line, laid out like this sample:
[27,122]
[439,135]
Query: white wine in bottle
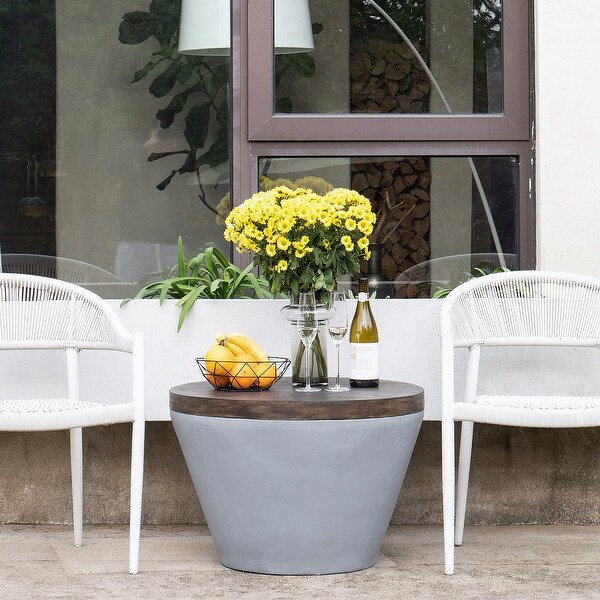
[364,342]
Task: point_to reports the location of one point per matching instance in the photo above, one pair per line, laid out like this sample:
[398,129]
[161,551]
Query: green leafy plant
[207,275]
[193,82]
[476,272]
[198,84]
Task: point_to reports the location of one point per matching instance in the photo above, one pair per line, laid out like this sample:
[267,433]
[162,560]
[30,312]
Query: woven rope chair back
[525,308]
[38,312]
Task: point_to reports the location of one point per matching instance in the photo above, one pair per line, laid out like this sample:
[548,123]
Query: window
[116,143]
[450,93]
[92,133]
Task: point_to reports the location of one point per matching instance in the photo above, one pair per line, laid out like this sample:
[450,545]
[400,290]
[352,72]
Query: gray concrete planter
[297,497]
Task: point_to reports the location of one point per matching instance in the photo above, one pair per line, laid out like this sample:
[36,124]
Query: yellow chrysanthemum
[283,243]
[347,242]
[363,243]
[364,226]
[288,219]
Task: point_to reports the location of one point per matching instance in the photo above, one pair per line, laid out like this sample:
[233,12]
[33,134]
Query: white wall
[409,341]
[568,133]
[409,351]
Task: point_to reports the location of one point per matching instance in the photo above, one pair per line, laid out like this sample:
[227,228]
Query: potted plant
[303,242]
[207,275]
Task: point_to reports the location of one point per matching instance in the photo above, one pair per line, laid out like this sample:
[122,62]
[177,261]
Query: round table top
[281,402]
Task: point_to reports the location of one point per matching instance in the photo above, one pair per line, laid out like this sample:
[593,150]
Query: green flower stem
[319,358]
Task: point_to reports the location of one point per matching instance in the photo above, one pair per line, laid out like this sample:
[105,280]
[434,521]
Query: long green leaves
[210,275]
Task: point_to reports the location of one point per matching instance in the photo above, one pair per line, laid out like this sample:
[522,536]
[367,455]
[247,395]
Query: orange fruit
[217,381]
[243,371]
[267,374]
[216,358]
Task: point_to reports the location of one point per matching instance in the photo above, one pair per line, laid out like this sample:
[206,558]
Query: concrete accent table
[296,485]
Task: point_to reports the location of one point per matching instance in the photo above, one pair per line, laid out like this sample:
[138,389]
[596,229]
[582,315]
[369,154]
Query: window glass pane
[362,61]
[116,143]
[438,217]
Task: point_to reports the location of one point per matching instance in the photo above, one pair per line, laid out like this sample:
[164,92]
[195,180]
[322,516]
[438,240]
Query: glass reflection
[116,143]
[367,61]
[434,222]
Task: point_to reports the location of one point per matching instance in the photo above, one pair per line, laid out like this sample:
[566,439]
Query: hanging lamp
[205,28]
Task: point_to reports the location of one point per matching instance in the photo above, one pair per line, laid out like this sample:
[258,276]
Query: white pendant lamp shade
[205,27]
[293,28]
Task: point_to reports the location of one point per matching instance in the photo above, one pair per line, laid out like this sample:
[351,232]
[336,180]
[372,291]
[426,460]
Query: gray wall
[518,476]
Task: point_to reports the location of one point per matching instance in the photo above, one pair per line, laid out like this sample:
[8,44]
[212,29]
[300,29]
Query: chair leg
[76,439]
[448,493]
[137,481]
[462,484]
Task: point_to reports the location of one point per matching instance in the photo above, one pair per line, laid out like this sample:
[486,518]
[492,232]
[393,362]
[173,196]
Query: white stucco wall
[568,132]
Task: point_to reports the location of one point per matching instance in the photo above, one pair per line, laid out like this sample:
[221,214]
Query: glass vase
[318,366]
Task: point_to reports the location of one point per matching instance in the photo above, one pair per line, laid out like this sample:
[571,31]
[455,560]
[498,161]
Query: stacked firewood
[399,193]
[388,78]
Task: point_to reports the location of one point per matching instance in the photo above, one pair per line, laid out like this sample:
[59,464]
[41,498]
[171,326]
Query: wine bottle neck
[363,296]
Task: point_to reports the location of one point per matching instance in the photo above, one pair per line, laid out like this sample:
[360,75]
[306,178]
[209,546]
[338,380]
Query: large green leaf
[185,72]
[136,27]
[162,8]
[196,127]
[164,83]
[165,182]
[166,116]
[146,69]
[303,64]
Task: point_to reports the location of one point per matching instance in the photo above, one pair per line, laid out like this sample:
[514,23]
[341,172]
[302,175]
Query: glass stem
[308,357]
[337,377]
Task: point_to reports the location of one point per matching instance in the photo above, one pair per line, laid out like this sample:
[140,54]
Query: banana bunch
[236,360]
[239,344]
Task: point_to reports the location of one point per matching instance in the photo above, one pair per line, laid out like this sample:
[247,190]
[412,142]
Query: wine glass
[307,330]
[337,325]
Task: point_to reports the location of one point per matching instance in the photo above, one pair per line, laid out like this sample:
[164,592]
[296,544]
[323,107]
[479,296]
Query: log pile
[388,78]
[399,193]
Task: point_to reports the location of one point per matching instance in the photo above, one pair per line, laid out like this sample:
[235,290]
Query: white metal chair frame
[43,313]
[521,308]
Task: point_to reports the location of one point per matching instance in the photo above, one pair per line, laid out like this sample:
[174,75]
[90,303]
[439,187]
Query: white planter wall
[409,351]
[407,330]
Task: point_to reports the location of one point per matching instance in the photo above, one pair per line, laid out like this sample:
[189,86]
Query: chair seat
[47,414]
[531,411]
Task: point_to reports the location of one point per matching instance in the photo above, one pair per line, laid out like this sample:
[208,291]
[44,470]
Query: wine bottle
[364,342]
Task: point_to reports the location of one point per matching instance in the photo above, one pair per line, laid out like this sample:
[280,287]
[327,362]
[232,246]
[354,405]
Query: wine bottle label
[364,361]
[362,296]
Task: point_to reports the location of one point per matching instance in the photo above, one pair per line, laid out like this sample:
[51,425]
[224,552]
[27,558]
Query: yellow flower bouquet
[301,240]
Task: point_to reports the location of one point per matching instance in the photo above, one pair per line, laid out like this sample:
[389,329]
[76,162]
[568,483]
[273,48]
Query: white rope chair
[48,314]
[66,269]
[521,308]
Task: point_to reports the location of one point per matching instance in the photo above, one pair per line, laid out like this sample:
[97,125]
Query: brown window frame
[264,124]
[259,133]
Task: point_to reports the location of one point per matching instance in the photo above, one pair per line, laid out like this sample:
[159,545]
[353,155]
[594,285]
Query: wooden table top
[281,402]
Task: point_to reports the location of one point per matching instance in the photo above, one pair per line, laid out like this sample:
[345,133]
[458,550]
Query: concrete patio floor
[517,562]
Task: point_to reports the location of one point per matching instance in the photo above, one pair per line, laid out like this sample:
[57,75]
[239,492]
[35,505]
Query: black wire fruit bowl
[242,375]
